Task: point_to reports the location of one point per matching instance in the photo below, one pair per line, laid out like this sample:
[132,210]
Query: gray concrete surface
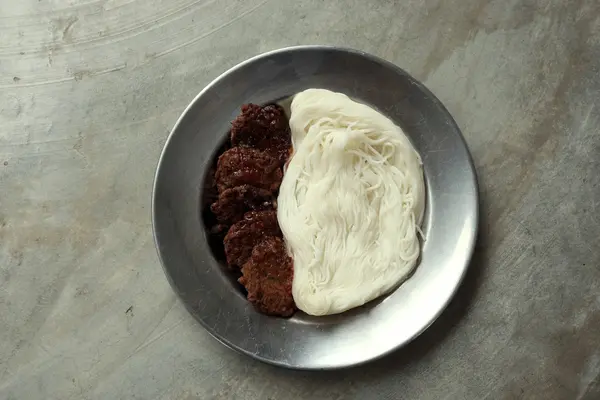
[88,92]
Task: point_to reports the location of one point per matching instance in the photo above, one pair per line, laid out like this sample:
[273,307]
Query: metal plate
[361,334]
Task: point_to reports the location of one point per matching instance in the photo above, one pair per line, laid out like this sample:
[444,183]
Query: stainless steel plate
[307,342]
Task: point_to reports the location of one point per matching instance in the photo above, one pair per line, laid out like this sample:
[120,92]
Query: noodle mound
[350,203]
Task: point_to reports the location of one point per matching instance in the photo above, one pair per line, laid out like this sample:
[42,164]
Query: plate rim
[472,172]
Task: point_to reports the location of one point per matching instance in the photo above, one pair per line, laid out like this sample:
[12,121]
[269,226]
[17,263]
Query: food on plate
[267,276]
[350,203]
[340,227]
[242,195]
[264,128]
[233,203]
[247,166]
[243,190]
[247,233]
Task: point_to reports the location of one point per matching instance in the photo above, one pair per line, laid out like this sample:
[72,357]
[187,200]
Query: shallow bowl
[303,342]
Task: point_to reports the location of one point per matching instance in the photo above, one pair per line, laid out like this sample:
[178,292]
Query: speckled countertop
[88,92]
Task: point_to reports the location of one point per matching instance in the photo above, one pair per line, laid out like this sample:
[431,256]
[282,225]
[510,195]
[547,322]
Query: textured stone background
[88,92]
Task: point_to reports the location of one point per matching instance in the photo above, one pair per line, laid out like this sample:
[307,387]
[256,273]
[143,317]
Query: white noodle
[350,203]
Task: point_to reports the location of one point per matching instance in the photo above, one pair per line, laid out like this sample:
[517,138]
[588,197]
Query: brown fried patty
[267,276]
[247,233]
[247,166]
[234,202]
[265,128]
